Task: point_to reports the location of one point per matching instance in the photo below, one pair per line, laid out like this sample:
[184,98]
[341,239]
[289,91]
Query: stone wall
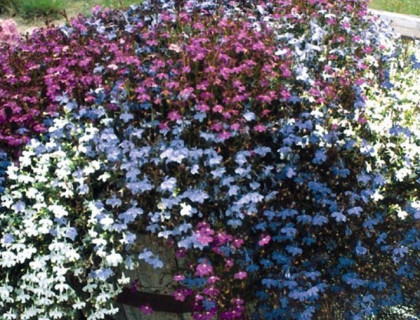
[153,280]
[406,25]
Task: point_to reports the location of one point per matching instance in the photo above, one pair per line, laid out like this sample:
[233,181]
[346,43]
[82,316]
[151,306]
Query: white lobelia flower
[58,210]
[114,259]
[106,222]
[402,214]
[186,209]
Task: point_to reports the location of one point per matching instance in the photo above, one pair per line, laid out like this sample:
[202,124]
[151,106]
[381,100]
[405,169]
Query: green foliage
[119,3]
[30,9]
[400,6]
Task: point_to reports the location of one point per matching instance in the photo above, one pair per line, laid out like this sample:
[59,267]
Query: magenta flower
[180,253]
[237,243]
[179,277]
[264,240]
[181,294]
[229,264]
[204,269]
[240,275]
[213,279]
[224,135]
[362,120]
[187,93]
[174,116]
[260,128]
[238,301]
[217,108]
[211,291]
[204,239]
[203,107]
[146,309]
[235,126]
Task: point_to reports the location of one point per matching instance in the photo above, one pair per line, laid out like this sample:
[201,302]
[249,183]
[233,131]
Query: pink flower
[345,25]
[368,50]
[179,277]
[331,21]
[174,116]
[224,73]
[229,263]
[235,126]
[361,120]
[213,279]
[204,239]
[238,243]
[260,128]
[265,240]
[217,108]
[187,93]
[181,294]
[285,94]
[286,72]
[186,69]
[204,269]
[172,85]
[238,301]
[264,98]
[223,237]
[240,275]
[216,126]
[211,291]
[225,135]
[210,69]
[359,82]
[96,9]
[198,26]
[163,126]
[259,46]
[146,309]
[227,115]
[203,85]
[203,107]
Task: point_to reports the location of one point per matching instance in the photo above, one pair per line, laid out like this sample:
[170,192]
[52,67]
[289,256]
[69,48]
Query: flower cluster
[274,144]
[9,33]
[62,249]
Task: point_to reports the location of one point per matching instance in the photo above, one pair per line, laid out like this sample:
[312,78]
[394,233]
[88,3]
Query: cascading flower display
[274,145]
[62,249]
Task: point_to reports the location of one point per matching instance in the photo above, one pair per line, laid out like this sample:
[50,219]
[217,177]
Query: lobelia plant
[274,145]
[63,249]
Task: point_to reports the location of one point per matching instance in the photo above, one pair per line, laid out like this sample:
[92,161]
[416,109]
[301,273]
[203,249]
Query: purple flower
[146,309]
[204,269]
[240,275]
[264,240]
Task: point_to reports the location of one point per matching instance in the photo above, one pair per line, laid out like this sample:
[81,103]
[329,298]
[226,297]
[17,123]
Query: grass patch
[30,9]
[399,6]
[118,3]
